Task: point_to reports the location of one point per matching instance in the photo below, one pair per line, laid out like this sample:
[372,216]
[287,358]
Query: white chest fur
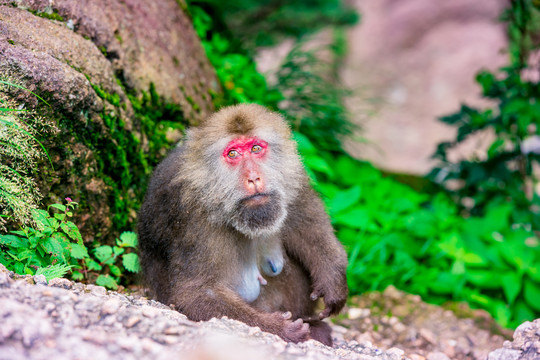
[265,255]
[249,286]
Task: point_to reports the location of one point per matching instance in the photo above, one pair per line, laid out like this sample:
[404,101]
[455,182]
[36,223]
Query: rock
[40,280]
[504,354]
[4,278]
[87,322]
[110,306]
[94,64]
[526,344]
[3,269]
[395,353]
[411,62]
[96,290]
[437,356]
[61,282]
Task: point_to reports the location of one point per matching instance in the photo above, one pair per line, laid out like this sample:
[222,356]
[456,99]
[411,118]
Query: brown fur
[239,124]
[193,253]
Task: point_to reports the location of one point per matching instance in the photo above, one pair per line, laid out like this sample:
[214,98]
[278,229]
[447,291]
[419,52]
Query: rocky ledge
[66,320]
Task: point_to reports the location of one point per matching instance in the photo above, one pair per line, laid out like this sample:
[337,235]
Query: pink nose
[253,181]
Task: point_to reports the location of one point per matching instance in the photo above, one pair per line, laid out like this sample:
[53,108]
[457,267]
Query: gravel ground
[396,319]
[66,320]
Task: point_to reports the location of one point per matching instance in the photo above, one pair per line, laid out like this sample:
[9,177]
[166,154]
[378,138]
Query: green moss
[113,99]
[182,4]
[103,50]
[53,15]
[124,164]
[193,104]
[118,37]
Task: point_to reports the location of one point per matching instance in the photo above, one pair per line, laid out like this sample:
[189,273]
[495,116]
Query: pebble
[279,346]
[5,279]
[437,356]
[61,283]
[132,320]
[96,290]
[356,313]
[40,280]
[172,331]
[428,336]
[149,312]
[395,353]
[110,306]
[399,327]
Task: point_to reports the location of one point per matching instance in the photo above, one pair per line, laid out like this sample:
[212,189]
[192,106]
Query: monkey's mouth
[256,199]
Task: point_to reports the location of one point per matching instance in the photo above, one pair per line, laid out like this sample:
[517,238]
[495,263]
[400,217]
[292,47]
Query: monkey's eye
[233,154]
[256,148]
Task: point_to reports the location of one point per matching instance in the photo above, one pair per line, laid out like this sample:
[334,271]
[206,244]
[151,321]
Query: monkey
[231,226]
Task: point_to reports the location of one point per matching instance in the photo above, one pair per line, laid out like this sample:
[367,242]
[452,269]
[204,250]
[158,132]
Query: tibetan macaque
[230,226]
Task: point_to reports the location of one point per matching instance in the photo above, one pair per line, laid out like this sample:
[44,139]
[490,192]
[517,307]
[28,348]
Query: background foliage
[424,243]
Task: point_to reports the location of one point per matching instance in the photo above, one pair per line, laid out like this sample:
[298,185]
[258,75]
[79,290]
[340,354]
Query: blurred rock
[411,61]
[526,344]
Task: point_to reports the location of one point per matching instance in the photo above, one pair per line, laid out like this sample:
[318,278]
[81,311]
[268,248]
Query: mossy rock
[112,72]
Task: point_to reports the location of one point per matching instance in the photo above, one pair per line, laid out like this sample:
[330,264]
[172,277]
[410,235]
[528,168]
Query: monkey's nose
[254,182]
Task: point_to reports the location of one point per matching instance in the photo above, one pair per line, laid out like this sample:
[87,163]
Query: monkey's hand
[291,331]
[334,293]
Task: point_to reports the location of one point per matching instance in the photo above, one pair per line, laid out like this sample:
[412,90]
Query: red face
[247,153]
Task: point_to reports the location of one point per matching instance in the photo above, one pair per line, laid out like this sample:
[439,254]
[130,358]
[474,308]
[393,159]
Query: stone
[61,283]
[40,280]
[504,354]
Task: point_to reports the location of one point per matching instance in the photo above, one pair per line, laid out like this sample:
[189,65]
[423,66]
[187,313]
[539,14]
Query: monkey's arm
[203,301]
[309,237]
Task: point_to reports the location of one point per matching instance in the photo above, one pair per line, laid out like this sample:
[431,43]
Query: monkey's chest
[248,286]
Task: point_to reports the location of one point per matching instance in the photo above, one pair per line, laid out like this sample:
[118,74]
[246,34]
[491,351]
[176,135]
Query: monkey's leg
[201,303]
[320,331]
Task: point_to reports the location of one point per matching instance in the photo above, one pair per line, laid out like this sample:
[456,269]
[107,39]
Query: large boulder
[122,78]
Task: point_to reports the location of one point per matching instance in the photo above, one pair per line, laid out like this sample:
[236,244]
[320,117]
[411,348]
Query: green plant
[54,241]
[314,96]
[255,23]
[235,70]
[20,152]
[306,90]
[421,244]
[115,260]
